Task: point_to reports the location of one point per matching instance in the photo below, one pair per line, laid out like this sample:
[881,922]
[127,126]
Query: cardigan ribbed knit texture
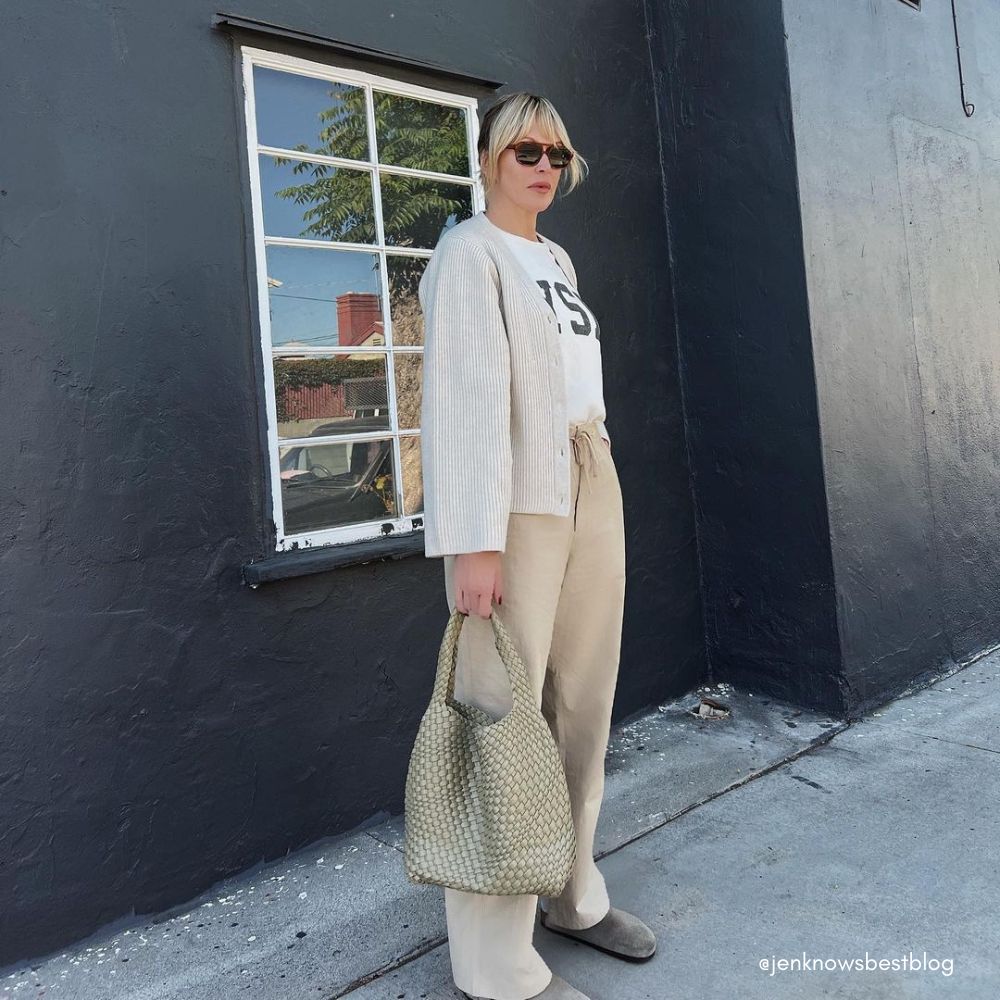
[494,433]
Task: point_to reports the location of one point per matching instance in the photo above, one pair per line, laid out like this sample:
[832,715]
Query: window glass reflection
[324,298]
[413,485]
[316,201]
[409,379]
[417,211]
[404,300]
[325,396]
[419,134]
[328,314]
[310,115]
[331,484]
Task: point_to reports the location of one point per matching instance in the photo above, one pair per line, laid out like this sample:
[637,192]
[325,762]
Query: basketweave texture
[487,808]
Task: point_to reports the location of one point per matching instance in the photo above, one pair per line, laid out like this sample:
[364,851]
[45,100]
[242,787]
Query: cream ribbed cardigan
[494,433]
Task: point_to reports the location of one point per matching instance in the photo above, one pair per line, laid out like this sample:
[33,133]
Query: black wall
[162,725]
[832,215]
[742,314]
[900,195]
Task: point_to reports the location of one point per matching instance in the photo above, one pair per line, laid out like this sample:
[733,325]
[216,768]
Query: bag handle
[444,681]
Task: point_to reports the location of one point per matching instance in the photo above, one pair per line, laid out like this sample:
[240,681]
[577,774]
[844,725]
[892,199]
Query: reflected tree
[410,133]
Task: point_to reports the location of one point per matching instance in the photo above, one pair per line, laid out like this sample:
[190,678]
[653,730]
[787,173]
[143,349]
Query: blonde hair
[510,119]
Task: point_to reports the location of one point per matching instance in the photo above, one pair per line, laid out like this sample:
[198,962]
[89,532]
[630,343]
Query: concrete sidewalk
[769,835]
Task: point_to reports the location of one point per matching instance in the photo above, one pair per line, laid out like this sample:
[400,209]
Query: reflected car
[333,483]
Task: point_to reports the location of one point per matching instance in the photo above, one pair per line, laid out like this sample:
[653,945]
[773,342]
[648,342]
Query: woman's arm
[465,403]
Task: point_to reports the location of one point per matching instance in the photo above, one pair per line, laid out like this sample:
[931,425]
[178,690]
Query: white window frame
[253,56]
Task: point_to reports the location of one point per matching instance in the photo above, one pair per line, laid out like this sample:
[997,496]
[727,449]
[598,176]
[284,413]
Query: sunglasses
[529,153]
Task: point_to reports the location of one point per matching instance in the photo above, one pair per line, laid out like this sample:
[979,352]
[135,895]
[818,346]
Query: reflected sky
[290,108]
[304,306]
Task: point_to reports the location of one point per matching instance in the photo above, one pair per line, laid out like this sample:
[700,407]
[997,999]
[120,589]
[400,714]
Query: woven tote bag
[486,805]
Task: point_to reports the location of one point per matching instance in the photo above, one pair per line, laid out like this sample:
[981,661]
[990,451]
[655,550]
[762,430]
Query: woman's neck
[514,219]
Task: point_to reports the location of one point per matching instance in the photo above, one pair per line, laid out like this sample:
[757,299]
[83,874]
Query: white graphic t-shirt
[579,331]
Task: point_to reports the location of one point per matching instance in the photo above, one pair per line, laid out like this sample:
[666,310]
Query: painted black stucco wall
[162,725]
[747,363]
[900,195]
[833,217]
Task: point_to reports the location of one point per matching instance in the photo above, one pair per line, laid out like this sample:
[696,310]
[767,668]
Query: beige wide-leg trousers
[563,601]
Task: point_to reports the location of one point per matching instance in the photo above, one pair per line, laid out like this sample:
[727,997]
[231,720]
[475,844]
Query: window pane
[413,484]
[409,374]
[309,115]
[416,211]
[404,303]
[316,201]
[324,298]
[421,135]
[330,484]
[319,397]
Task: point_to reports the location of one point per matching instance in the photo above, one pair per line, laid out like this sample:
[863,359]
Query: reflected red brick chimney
[358,317]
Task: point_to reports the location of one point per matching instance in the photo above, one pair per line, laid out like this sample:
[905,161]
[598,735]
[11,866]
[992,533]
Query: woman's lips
[541,186]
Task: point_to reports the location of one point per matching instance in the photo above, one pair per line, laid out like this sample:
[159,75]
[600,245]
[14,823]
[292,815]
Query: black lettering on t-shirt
[583,328]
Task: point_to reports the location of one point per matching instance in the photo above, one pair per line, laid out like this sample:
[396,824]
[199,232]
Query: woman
[522,501]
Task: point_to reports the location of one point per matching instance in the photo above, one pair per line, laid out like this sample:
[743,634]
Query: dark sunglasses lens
[528,152]
[559,156]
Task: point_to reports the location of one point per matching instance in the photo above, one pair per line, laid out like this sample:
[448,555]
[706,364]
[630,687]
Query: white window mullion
[263,299]
[390,366]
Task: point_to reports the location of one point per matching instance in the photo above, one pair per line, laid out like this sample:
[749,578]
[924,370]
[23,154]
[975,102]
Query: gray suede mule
[558,989]
[620,934]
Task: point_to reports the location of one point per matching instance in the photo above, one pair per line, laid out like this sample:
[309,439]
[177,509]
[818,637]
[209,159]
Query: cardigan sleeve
[465,403]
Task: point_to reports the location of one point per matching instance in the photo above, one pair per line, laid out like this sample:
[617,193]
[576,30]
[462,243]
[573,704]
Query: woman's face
[529,187]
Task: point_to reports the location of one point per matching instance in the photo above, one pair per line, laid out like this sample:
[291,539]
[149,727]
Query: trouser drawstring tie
[586,433]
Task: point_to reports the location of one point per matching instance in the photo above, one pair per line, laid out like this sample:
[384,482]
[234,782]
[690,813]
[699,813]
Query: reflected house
[359,323]
[327,482]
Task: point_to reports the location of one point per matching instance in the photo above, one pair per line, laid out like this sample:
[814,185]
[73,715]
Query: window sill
[303,562]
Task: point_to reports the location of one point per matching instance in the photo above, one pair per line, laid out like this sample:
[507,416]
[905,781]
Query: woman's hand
[478,580]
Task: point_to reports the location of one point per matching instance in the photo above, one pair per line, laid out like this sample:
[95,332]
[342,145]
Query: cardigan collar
[492,231]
